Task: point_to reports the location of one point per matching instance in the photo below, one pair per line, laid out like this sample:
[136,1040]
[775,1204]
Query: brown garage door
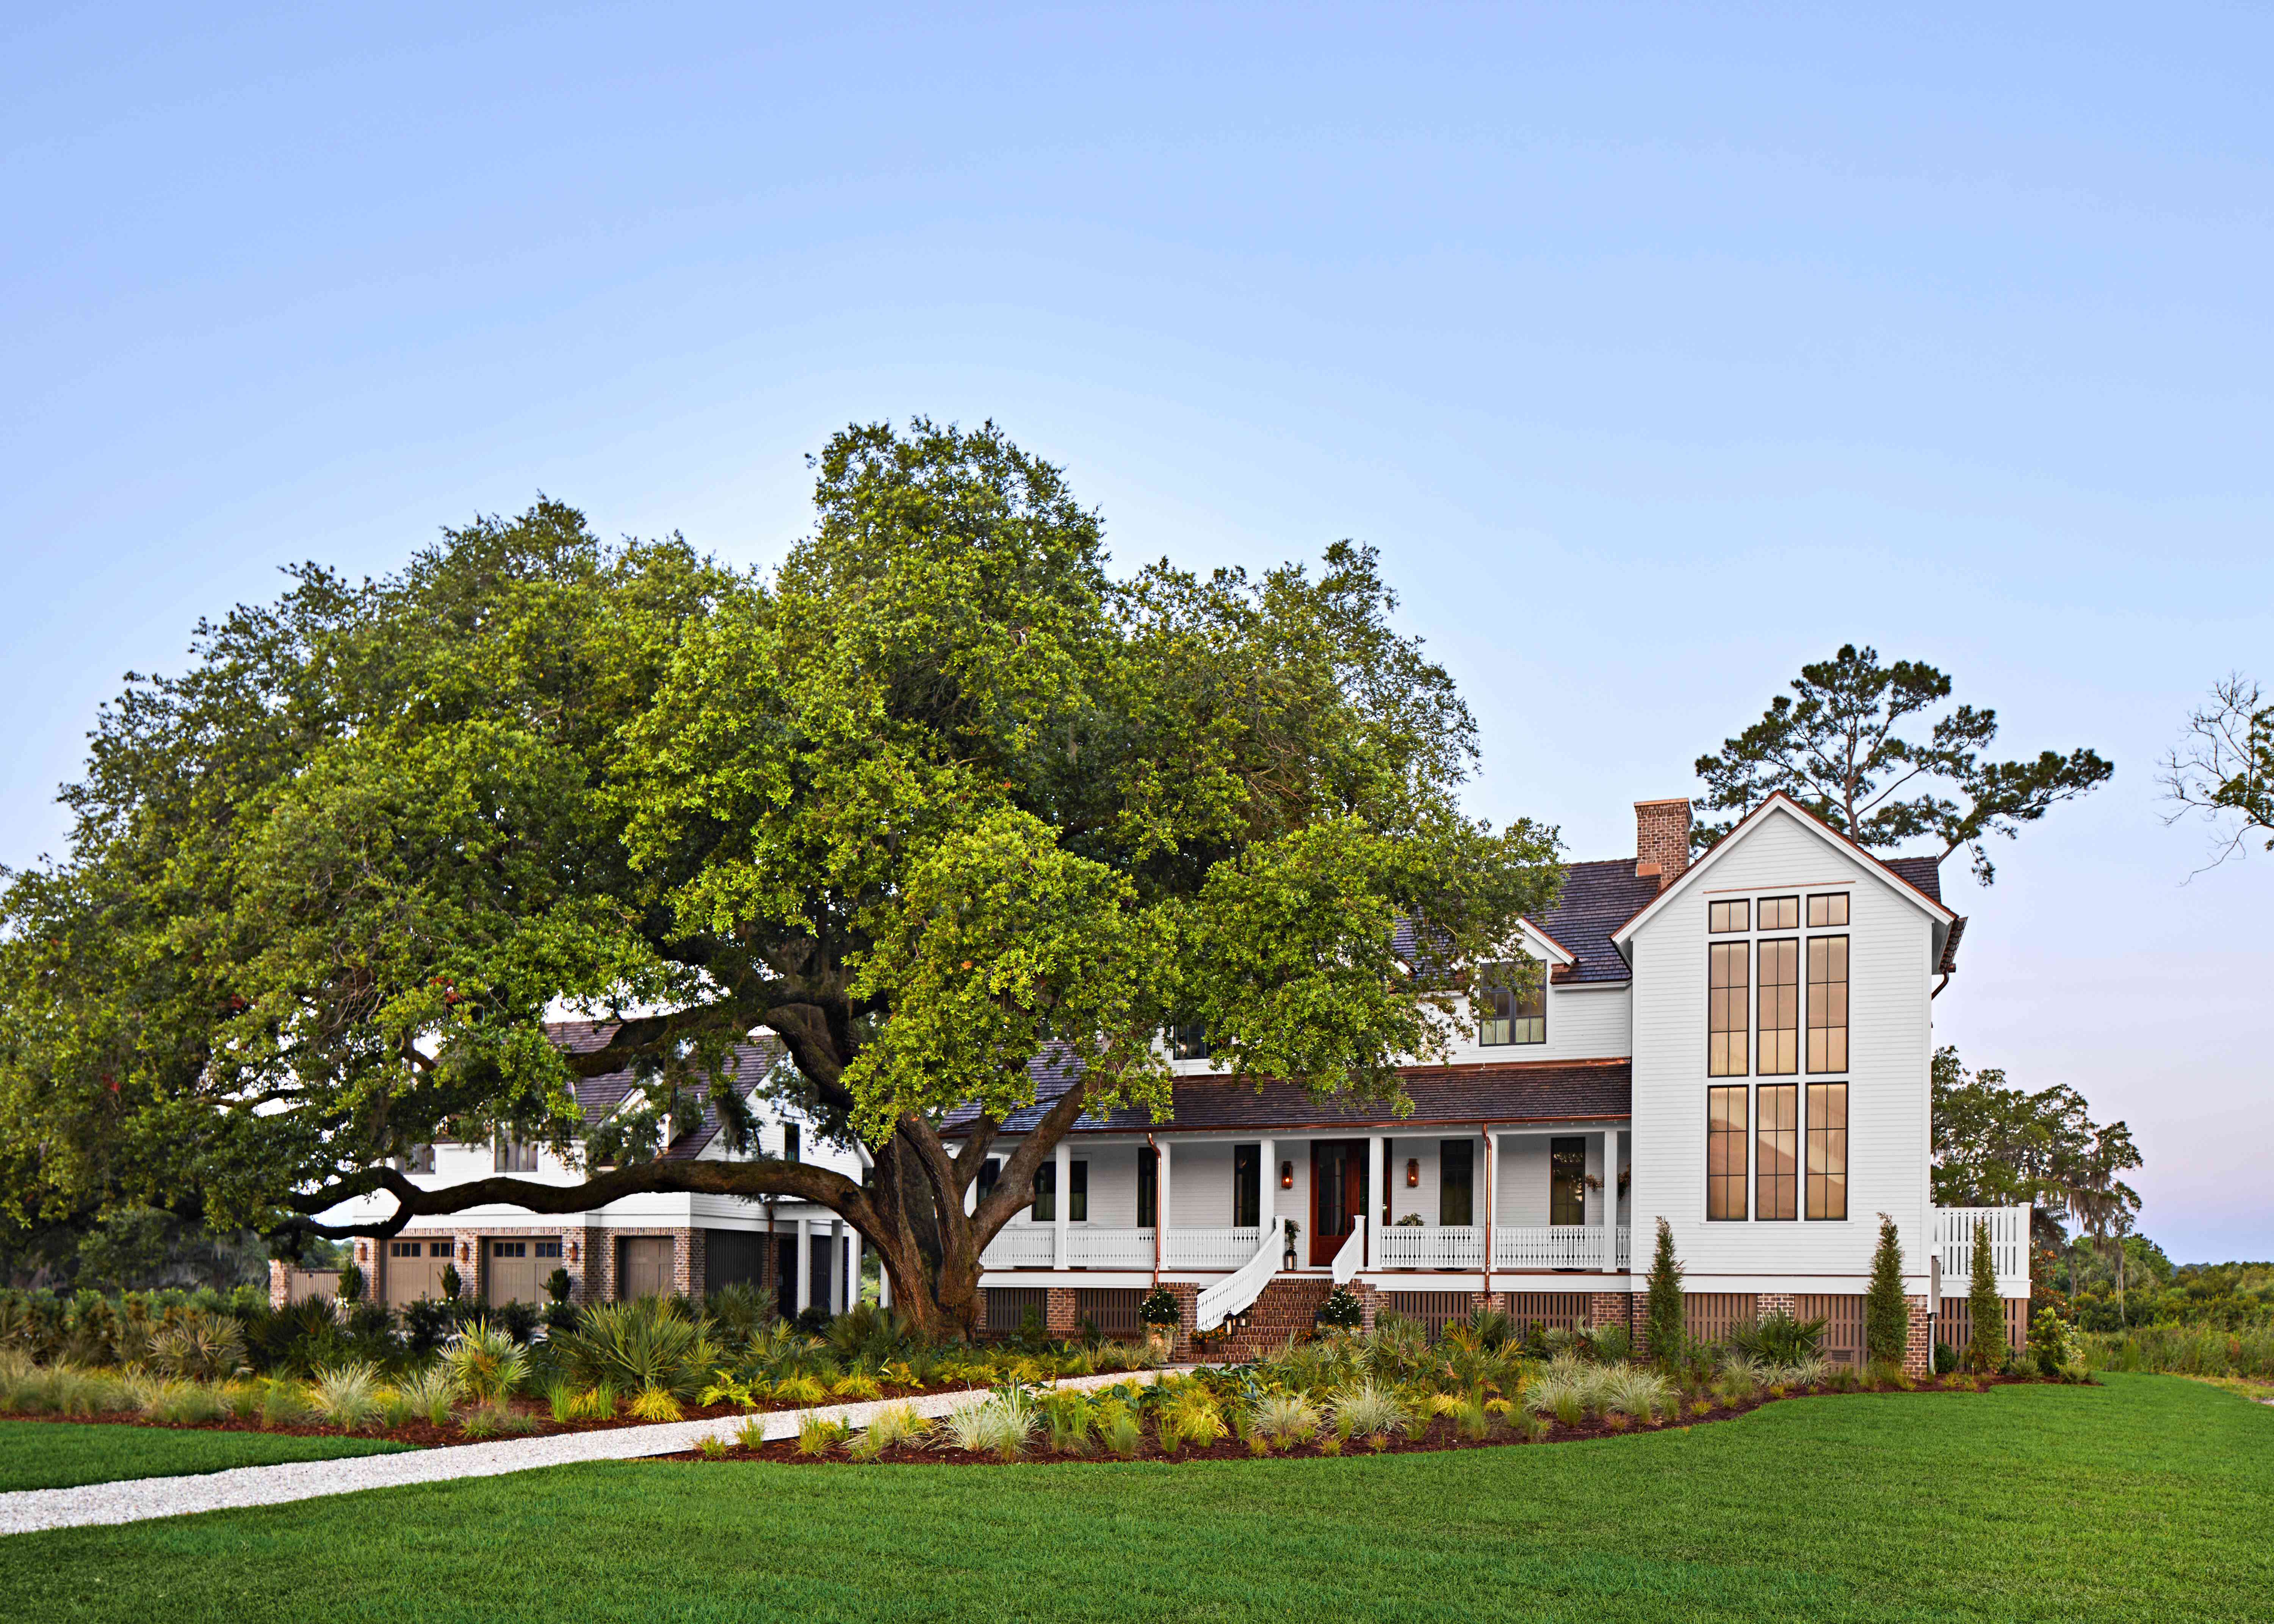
[414,1269]
[643,1266]
[512,1273]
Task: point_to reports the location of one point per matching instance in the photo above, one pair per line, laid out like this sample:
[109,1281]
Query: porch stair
[1288,1306]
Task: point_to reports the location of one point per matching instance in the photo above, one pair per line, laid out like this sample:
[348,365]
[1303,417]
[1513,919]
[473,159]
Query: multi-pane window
[990,1172]
[1078,1192]
[1827,912]
[1515,1007]
[1246,1186]
[1567,1181]
[513,1156]
[1827,1150]
[1188,1040]
[1780,912]
[1725,1152]
[1456,1181]
[1046,1194]
[1723,917]
[1729,966]
[789,1142]
[1779,1008]
[544,1249]
[406,1249]
[419,1159]
[509,1249]
[1776,1152]
[1827,1004]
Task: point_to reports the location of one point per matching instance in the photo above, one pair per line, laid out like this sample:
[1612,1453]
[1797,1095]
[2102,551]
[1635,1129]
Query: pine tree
[1986,1344]
[1662,1309]
[1887,1312]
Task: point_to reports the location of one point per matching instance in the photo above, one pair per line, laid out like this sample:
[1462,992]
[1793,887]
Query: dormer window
[513,1156]
[1188,1040]
[1512,1011]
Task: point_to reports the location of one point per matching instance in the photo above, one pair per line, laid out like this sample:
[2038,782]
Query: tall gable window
[1827,1150]
[1825,913]
[1515,1007]
[1828,1002]
[1779,1008]
[1725,1152]
[1776,1152]
[1728,975]
[1723,917]
[1780,912]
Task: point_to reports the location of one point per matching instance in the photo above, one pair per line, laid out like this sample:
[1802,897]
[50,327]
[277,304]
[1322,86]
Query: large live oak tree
[939,792]
[1847,744]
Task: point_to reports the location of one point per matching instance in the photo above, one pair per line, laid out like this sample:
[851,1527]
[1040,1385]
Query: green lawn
[2151,1498]
[56,1455]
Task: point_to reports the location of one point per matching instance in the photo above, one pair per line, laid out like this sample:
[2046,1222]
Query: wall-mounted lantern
[572,1252]
[465,1253]
[1413,1172]
[1286,1175]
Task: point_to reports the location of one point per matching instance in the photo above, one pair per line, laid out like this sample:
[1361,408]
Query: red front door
[1337,1195]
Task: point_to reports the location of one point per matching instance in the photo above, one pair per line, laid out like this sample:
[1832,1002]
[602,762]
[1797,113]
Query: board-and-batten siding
[1890,1042]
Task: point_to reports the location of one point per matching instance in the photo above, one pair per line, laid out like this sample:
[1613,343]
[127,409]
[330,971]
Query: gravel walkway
[29,1510]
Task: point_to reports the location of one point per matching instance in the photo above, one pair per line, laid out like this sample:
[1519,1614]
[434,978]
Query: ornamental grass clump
[286,1403]
[1190,1417]
[802,1390]
[816,1437]
[433,1393]
[1285,1419]
[195,1403]
[347,1396]
[656,1404]
[1368,1412]
[894,1424]
[1068,1418]
[857,1387]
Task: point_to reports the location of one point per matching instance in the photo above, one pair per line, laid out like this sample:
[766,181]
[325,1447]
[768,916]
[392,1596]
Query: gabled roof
[1902,884]
[1597,898]
[1509,1092]
[599,1095]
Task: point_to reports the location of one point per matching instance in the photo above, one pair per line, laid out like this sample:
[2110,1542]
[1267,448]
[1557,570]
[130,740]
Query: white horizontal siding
[1890,1040]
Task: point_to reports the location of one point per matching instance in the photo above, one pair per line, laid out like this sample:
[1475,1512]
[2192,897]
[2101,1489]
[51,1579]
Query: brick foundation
[1061,1317]
[1369,1304]
[1610,1308]
[1774,1302]
[1188,1314]
[1918,1353]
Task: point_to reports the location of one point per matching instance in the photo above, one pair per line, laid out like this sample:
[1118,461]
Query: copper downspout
[1155,1149]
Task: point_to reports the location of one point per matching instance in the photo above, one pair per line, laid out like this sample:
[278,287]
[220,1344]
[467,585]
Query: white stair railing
[1237,1293]
[1353,1254]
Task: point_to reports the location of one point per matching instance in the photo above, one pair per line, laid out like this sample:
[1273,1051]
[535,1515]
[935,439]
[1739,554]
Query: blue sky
[1659,351]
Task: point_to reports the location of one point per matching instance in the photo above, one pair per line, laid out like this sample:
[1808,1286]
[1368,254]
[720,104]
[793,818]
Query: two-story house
[1740,1045]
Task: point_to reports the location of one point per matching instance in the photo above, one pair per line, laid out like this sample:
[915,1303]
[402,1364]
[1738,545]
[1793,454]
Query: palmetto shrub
[347,1396]
[198,1347]
[487,1361]
[639,1345]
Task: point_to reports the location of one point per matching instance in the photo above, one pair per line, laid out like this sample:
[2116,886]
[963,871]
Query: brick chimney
[1661,839]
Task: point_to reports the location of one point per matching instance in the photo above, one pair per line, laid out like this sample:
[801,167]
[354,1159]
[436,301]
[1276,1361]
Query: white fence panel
[1429,1246]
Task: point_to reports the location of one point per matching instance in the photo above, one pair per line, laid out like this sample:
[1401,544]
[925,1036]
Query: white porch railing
[1034,1245]
[1219,1301]
[1352,1255]
[1554,1246]
[1429,1246]
[2009,1247]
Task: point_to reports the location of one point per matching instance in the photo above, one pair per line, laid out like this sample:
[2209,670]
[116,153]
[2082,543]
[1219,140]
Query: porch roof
[1514,1094]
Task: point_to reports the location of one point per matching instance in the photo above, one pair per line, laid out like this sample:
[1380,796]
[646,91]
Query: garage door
[643,1266]
[512,1273]
[414,1269]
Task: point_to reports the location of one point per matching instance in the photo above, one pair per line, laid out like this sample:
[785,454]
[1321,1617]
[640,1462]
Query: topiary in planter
[1160,1308]
[1342,1310]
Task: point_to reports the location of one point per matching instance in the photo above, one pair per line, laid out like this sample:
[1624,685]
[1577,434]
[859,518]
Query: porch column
[1161,1202]
[1061,1204]
[1492,1176]
[804,1264]
[1266,1192]
[1610,1199]
[840,1297]
[1375,1196]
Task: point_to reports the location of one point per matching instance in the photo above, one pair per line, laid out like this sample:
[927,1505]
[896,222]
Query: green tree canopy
[938,793]
[1844,744]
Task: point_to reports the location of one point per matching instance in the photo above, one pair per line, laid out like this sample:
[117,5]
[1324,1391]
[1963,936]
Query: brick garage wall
[686,1261]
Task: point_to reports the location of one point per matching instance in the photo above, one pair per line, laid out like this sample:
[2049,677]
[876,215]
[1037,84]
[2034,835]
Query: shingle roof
[1529,1091]
[599,1095]
[1597,898]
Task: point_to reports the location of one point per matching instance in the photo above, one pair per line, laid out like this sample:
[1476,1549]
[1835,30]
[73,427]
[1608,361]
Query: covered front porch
[1436,1199]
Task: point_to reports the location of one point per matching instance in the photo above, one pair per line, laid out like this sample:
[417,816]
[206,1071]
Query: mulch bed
[427,1435]
[1443,1435]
